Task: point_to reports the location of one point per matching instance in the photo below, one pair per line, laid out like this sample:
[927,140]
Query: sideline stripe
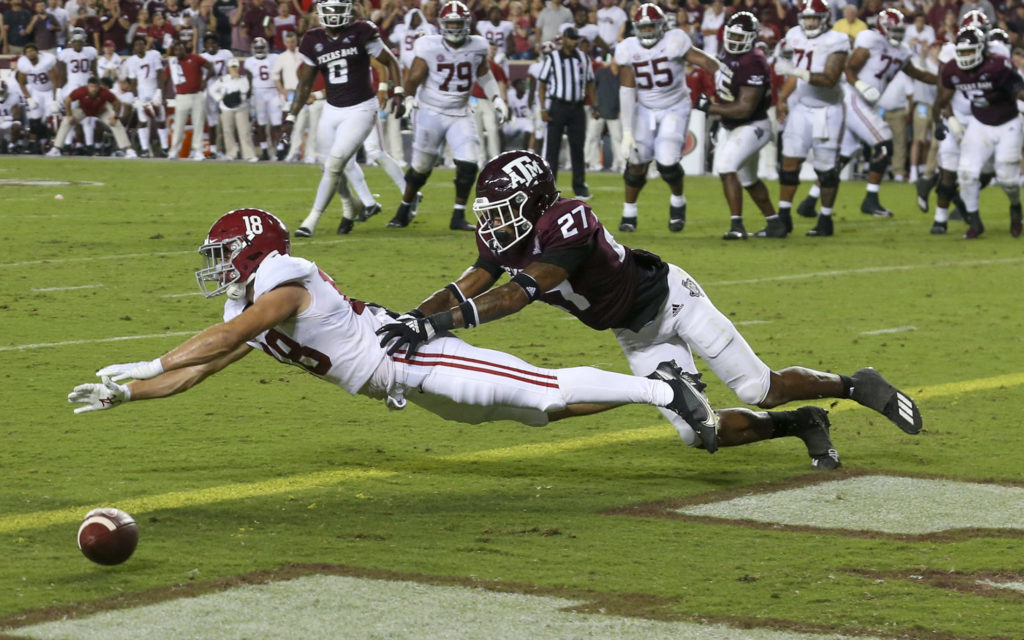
[178,499]
[40,345]
[845,272]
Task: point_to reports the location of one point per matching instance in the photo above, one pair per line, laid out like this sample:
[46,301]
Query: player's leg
[827,121]
[428,138]
[160,120]
[592,144]
[363,208]
[670,137]
[461,137]
[1008,174]
[726,163]
[637,162]
[374,147]
[796,143]
[198,125]
[975,149]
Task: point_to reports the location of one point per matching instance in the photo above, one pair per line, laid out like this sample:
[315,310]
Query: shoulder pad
[277,270]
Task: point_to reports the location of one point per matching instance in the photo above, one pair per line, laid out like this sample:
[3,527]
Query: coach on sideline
[186,71]
[565,80]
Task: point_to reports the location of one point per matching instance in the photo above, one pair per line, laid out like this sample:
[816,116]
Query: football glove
[410,104]
[955,128]
[703,103]
[132,370]
[940,130]
[407,332]
[32,104]
[98,396]
[501,110]
[785,67]
[286,130]
[628,142]
[866,91]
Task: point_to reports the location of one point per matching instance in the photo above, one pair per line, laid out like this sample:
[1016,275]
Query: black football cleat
[1015,220]
[458,223]
[676,218]
[774,228]
[874,392]
[689,402]
[957,211]
[975,227]
[736,231]
[787,219]
[401,218]
[627,224]
[939,228]
[872,207]
[823,229]
[812,425]
[369,212]
[924,190]
[303,232]
[808,208]
[345,227]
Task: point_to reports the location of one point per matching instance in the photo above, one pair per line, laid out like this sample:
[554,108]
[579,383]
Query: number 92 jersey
[659,72]
[451,72]
[344,60]
[812,54]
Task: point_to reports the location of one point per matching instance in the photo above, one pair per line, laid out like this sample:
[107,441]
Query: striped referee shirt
[566,76]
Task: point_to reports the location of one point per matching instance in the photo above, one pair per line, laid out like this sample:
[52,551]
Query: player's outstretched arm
[470,284]
[919,74]
[743,106]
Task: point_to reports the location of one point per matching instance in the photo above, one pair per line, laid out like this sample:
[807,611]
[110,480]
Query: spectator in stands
[588,31]
[689,19]
[140,27]
[241,38]
[160,35]
[711,24]
[950,25]
[222,12]
[232,92]
[551,18]
[114,25]
[937,13]
[204,19]
[919,35]
[522,48]
[980,5]
[611,22]
[42,29]
[850,24]
[58,13]
[284,22]
[869,10]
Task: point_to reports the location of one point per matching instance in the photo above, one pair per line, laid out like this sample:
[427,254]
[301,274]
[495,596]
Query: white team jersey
[812,54]
[219,61]
[496,34]
[884,62]
[333,338]
[37,76]
[659,72]
[261,71]
[14,98]
[112,67]
[961,104]
[451,72]
[145,71]
[77,66]
[405,40]
[519,106]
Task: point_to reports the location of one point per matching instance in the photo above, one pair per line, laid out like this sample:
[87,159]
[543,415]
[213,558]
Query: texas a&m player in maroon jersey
[993,87]
[556,250]
[745,127]
[341,50]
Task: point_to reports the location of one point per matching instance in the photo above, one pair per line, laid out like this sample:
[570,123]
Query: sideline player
[878,55]
[265,101]
[36,74]
[814,57]
[219,59]
[439,83]
[11,105]
[84,106]
[143,69]
[655,107]
[75,64]
[994,86]
[341,49]
[556,250]
[745,128]
[293,311]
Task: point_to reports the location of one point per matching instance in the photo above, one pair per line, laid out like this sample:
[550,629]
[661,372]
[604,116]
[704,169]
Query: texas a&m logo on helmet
[512,192]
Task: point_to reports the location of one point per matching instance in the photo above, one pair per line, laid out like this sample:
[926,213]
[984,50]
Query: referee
[565,80]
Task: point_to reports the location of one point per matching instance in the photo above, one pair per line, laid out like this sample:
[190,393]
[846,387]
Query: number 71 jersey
[451,72]
[659,72]
[812,54]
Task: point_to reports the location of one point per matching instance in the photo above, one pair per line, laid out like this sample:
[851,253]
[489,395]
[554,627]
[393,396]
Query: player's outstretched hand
[143,370]
[98,396]
[940,130]
[407,332]
[501,110]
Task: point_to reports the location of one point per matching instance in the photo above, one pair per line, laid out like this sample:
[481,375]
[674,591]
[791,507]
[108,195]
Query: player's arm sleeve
[568,258]
[490,267]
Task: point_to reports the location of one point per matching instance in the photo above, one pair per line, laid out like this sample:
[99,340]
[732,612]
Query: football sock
[874,188]
[357,183]
[144,136]
[941,214]
[162,135]
[325,191]
[785,205]
[312,219]
[815,192]
[847,385]
[826,211]
[677,201]
[629,210]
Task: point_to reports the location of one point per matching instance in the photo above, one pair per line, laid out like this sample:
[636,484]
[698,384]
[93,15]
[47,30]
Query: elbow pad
[528,284]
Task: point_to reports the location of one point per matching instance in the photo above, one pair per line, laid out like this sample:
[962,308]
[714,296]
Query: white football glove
[32,104]
[139,105]
[501,110]
[410,104]
[866,91]
[955,128]
[785,67]
[99,396]
[628,142]
[132,370]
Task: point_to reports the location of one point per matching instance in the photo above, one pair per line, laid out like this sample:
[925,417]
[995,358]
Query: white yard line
[877,332]
[846,272]
[81,286]
[40,345]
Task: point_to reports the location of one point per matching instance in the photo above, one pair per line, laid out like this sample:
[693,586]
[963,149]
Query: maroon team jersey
[749,69]
[991,87]
[344,60]
[612,287]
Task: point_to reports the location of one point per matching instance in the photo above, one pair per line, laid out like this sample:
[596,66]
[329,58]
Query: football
[108,536]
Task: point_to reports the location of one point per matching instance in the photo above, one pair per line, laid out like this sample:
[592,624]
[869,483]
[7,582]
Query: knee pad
[945,192]
[670,172]
[633,177]
[789,178]
[1007,174]
[416,179]
[829,179]
[881,156]
[465,178]
[334,165]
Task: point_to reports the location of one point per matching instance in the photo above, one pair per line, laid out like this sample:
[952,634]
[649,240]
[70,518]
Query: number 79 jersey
[812,54]
[451,72]
[659,72]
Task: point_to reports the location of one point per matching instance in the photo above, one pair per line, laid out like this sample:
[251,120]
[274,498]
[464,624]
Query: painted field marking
[81,286]
[878,332]
[181,295]
[40,345]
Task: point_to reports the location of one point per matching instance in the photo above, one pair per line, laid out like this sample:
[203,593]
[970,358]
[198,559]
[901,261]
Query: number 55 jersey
[659,72]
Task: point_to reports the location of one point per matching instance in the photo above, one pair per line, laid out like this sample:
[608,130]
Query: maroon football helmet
[235,246]
[970,47]
[890,24]
[455,19]
[335,13]
[977,19]
[741,31]
[512,192]
[649,24]
[813,10]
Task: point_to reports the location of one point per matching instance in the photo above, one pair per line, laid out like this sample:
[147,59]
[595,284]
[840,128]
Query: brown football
[108,536]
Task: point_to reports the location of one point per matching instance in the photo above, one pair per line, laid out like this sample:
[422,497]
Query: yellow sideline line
[199,497]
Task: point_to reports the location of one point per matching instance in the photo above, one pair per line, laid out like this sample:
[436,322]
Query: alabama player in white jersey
[655,107]
[11,105]
[291,310]
[814,57]
[264,93]
[219,59]
[496,30]
[143,69]
[519,129]
[439,83]
[878,55]
[76,63]
[403,36]
[36,73]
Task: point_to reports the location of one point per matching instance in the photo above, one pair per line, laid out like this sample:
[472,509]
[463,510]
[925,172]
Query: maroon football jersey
[749,69]
[613,287]
[991,87]
[344,60]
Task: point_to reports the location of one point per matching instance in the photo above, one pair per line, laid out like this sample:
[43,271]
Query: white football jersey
[14,98]
[519,106]
[145,71]
[496,34]
[451,72]
[77,66]
[884,62]
[37,76]
[659,72]
[112,67]
[405,39]
[812,54]
[333,338]
[219,61]
[261,71]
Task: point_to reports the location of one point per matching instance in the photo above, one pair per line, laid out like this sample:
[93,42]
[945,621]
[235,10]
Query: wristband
[470,316]
[442,321]
[290,118]
[529,285]
[399,89]
[416,313]
[455,291]
[382,87]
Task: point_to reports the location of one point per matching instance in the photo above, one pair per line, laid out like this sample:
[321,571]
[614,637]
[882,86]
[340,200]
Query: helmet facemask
[452,33]
[737,40]
[894,34]
[502,223]
[649,33]
[219,274]
[970,48]
[335,13]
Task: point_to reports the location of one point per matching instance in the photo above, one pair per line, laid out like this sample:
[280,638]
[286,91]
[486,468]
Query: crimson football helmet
[741,31]
[813,10]
[512,192]
[970,47]
[455,19]
[890,24]
[649,24]
[977,19]
[260,48]
[998,35]
[335,13]
[235,246]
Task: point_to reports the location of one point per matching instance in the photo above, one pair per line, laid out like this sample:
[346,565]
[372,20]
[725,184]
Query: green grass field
[264,472]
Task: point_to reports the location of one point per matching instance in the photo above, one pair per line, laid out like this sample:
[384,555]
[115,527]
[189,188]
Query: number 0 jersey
[451,72]
[659,72]
[812,54]
[344,60]
[333,338]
